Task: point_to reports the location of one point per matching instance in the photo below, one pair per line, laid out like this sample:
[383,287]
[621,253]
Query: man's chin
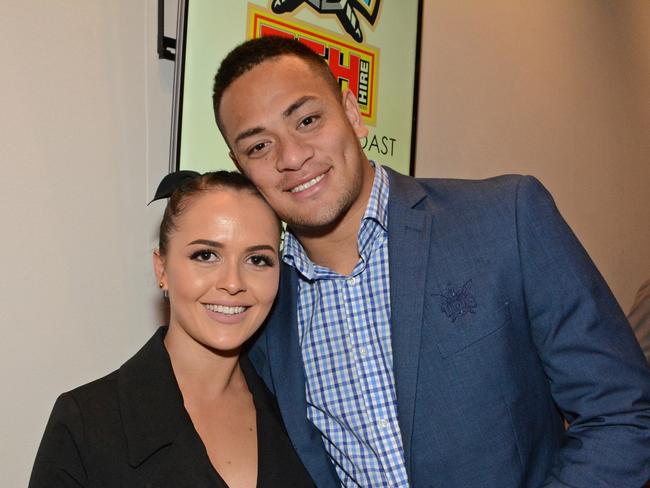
[316,224]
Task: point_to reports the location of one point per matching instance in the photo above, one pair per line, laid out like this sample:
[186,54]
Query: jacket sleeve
[58,461]
[639,318]
[598,376]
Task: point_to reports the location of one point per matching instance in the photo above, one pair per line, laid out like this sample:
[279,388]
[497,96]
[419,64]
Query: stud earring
[160,284]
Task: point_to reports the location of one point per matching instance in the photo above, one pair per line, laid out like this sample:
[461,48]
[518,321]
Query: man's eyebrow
[248,133]
[296,105]
[287,113]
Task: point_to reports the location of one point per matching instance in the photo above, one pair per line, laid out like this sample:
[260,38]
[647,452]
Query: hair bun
[171,182]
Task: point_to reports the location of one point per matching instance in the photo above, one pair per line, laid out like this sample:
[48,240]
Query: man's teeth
[224,309]
[306,185]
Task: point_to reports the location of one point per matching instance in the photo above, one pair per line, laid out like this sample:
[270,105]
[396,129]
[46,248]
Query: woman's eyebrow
[217,244]
[261,247]
[206,242]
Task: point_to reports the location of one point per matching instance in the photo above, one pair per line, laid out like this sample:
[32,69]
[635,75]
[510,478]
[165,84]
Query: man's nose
[295,152]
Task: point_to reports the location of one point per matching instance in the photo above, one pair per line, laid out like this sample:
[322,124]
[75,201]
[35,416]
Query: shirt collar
[377,208]
[376,211]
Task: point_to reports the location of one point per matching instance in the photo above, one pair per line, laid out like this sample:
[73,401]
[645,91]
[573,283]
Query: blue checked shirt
[344,331]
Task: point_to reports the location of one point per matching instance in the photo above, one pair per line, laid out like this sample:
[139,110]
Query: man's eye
[257,148]
[309,120]
[261,260]
[204,256]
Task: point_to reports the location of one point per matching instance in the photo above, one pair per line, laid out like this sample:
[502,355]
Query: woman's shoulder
[99,394]
[88,411]
[95,400]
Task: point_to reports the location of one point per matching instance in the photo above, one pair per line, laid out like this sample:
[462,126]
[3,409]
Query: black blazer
[130,429]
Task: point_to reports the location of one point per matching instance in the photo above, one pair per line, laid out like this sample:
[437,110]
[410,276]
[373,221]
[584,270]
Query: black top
[130,429]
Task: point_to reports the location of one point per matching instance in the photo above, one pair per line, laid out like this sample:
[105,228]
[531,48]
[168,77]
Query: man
[428,332]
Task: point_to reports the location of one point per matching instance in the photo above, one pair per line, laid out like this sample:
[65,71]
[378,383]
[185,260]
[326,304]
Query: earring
[165,292]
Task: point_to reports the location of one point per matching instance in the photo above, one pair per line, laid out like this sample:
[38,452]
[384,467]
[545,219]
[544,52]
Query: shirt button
[352,281]
[363,351]
[383,423]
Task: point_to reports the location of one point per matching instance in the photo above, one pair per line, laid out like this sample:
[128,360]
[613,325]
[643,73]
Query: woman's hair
[191,187]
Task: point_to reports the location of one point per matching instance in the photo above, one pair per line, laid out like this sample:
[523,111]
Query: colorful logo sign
[345,10]
[354,66]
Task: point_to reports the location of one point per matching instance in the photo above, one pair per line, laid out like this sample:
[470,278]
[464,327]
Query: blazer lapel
[154,417]
[287,372]
[150,401]
[409,234]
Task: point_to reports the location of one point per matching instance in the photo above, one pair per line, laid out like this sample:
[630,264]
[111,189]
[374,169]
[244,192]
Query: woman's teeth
[225,309]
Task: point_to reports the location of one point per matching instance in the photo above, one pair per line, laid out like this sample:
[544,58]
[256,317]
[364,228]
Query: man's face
[294,137]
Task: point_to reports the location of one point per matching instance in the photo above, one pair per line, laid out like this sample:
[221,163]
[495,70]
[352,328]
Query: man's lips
[307,184]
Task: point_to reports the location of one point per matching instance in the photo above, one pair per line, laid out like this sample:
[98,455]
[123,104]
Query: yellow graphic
[354,66]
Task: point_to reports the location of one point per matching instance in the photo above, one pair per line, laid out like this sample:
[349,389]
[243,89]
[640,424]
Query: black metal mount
[166,45]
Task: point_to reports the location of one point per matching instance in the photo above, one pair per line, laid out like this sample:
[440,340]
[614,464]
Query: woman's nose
[231,279]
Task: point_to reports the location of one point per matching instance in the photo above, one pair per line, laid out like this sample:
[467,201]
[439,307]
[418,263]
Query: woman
[188,409]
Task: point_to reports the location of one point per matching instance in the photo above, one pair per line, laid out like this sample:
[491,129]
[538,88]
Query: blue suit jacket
[501,328]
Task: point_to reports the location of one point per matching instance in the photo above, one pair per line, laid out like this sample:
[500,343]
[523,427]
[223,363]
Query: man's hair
[254,52]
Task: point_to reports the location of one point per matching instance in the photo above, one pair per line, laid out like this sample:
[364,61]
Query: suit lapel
[287,372]
[409,234]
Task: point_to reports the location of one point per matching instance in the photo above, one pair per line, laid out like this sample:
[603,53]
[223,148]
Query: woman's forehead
[226,209]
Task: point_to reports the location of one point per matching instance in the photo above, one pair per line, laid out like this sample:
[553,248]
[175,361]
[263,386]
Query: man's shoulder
[459,193]
[466,188]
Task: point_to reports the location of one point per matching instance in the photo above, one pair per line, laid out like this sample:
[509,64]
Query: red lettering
[267,30]
[349,73]
[317,47]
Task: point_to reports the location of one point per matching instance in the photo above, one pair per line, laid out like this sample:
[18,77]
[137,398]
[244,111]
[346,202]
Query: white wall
[84,133]
[555,88]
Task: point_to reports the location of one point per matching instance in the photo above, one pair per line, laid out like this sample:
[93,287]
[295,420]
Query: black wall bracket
[166,45]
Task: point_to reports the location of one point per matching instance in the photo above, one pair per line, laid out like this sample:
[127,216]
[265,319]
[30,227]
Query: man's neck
[336,246]
[337,249]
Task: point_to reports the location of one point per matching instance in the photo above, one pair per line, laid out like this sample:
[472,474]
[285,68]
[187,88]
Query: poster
[370,45]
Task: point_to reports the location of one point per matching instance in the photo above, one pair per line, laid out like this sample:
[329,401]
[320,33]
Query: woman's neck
[201,372]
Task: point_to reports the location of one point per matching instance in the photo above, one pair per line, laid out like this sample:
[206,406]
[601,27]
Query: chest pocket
[457,328]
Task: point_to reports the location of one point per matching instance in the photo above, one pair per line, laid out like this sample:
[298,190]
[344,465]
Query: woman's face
[221,268]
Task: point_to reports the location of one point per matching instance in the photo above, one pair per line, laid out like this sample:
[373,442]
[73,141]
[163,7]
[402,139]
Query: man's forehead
[268,92]
[273,81]
[286,67]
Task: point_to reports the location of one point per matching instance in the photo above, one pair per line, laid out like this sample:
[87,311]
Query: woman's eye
[204,256]
[261,260]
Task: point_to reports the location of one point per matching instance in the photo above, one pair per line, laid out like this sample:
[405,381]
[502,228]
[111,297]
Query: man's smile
[307,184]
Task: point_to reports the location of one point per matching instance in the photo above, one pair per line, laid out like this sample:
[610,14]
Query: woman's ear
[159,269]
